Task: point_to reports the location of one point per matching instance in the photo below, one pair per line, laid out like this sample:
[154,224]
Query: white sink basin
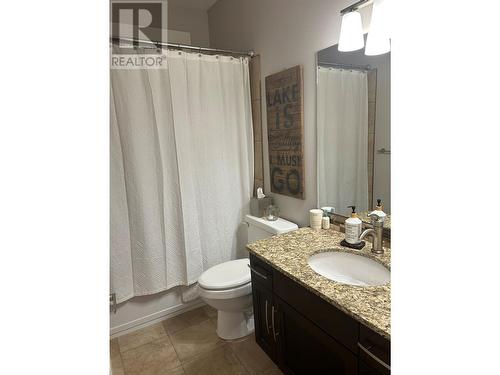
[348,268]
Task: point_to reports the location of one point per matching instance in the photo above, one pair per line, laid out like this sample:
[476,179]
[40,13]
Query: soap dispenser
[379,211]
[353,228]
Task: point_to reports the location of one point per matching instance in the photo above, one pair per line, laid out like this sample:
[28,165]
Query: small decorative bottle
[325,222]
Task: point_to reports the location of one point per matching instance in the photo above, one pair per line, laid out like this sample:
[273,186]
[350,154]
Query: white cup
[315,218]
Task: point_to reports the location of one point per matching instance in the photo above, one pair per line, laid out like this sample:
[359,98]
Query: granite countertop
[288,253]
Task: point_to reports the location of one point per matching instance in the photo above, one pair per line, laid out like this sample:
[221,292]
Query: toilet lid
[226,275]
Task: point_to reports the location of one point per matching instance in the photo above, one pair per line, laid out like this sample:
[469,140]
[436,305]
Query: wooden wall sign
[285,128]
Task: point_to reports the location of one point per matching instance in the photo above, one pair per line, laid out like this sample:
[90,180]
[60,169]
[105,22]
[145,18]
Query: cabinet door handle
[373,356]
[267,320]
[257,272]
[275,334]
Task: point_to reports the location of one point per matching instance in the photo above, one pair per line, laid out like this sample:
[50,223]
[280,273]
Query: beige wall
[192,21]
[255,93]
[285,33]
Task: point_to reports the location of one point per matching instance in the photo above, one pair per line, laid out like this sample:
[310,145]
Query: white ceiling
[192,4]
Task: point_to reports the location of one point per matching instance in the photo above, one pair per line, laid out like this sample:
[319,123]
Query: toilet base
[234,325]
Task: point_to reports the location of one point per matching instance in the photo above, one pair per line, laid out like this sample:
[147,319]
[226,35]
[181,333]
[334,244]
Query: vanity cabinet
[304,334]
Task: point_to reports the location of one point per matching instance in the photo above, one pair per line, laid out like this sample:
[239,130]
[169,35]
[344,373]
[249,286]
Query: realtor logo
[137,24]
[134,21]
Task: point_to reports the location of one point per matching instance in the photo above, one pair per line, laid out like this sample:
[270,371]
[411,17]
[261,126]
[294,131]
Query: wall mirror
[354,129]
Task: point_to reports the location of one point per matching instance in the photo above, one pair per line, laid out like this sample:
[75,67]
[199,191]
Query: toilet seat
[239,291]
[228,275]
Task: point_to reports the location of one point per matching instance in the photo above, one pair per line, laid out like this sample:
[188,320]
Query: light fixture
[351,32]
[378,41]
[351,28]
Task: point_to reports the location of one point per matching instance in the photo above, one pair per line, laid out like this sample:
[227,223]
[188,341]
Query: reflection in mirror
[353,124]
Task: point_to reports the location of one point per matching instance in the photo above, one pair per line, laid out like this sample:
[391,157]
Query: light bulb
[351,32]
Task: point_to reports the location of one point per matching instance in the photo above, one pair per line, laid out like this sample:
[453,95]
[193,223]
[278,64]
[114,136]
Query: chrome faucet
[375,233]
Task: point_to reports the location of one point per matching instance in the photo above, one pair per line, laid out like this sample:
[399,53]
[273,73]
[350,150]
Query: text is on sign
[285,128]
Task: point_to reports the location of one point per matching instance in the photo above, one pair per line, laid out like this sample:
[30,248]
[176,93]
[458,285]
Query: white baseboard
[154,318]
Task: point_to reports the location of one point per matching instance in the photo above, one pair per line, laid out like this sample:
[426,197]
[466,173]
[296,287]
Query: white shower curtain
[342,138]
[181,170]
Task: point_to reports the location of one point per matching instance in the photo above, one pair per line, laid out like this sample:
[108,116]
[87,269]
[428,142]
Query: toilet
[227,287]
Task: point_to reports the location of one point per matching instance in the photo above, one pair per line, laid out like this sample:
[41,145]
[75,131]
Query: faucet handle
[376,218]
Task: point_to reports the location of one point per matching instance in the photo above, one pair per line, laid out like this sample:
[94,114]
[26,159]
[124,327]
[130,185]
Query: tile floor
[187,345]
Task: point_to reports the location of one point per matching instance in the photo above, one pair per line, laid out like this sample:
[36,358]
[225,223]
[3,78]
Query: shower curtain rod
[183,46]
[345,66]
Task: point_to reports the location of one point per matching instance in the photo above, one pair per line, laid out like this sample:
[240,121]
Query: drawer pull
[275,334]
[267,320]
[257,272]
[373,356]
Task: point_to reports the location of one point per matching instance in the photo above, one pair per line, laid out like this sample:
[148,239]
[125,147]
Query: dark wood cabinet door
[262,308]
[364,369]
[304,349]
[332,321]
[374,352]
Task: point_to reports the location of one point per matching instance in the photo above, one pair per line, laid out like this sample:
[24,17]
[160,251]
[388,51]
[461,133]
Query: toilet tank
[259,228]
